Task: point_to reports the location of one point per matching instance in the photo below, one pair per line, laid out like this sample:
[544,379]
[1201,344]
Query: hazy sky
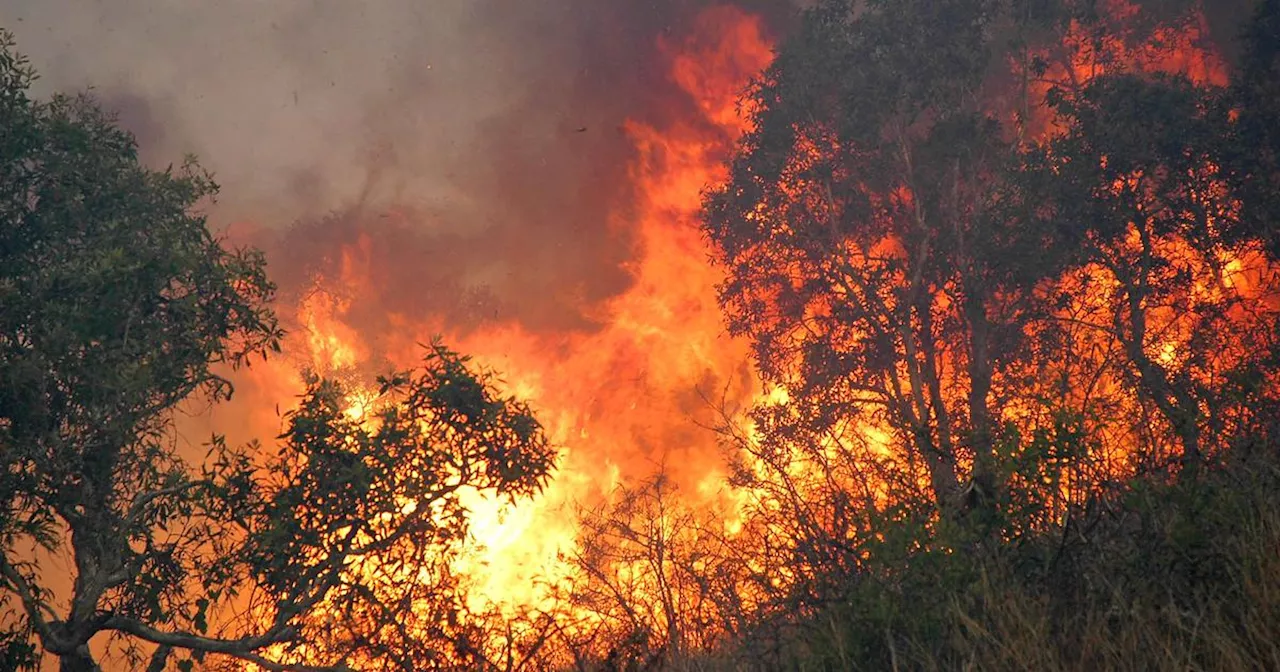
[287,99]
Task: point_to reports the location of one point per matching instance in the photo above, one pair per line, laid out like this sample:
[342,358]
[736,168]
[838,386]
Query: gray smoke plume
[490,126]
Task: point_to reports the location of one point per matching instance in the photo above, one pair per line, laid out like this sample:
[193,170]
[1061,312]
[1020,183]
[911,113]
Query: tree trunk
[986,489]
[78,661]
[1174,401]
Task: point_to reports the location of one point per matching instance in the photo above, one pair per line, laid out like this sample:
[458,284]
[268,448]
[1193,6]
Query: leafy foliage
[877,247]
[1137,179]
[1011,273]
[997,264]
[117,305]
[349,531]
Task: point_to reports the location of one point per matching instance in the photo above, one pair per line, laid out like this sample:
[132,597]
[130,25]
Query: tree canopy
[981,244]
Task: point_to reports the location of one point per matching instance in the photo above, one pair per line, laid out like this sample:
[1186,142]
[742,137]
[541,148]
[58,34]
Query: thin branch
[33,605]
[242,648]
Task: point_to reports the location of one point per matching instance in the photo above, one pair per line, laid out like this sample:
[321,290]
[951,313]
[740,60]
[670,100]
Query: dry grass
[1184,579]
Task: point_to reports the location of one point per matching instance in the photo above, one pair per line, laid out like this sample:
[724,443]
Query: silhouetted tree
[981,244]
[1173,273]
[1255,98]
[873,240]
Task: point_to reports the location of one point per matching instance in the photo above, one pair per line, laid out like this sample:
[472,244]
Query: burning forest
[689,336]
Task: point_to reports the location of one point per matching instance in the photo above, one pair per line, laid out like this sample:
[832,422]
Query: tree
[347,536]
[1176,275]
[657,579]
[1255,97]
[872,238]
[117,305]
[983,245]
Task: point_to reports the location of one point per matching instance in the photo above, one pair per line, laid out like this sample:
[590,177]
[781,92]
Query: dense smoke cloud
[491,128]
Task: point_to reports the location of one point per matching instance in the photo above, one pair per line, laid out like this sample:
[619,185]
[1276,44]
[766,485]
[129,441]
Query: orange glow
[333,345]
[1084,55]
[629,402]
[624,401]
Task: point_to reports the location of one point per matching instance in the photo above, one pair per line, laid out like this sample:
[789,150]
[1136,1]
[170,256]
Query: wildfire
[630,401]
[1085,54]
[624,401]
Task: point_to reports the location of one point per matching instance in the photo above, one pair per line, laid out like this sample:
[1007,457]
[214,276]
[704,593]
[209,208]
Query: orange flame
[1085,54]
[629,399]
[622,401]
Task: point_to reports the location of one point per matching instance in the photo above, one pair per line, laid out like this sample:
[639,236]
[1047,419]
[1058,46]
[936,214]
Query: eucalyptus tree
[954,222]
[875,245]
[329,549]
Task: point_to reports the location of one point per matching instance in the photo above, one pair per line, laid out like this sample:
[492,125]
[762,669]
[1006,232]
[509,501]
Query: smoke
[287,101]
[490,126]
